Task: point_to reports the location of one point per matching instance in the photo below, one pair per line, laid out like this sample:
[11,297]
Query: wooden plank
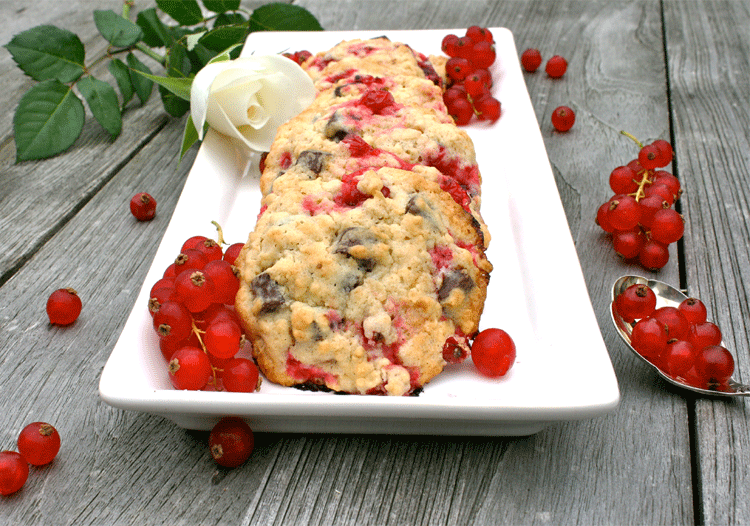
[127,468]
[708,48]
[38,197]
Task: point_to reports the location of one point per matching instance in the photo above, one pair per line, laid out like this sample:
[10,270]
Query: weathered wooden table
[674,69]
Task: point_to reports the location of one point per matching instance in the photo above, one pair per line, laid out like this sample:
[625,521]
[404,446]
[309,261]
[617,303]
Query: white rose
[249,98]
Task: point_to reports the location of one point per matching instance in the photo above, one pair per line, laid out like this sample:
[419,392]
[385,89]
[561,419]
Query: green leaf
[186,12]
[48,52]
[178,62]
[226,54]
[143,86]
[228,19]
[221,6]
[189,136]
[155,33]
[48,120]
[174,105]
[121,73]
[103,103]
[179,86]
[283,17]
[221,38]
[117,30]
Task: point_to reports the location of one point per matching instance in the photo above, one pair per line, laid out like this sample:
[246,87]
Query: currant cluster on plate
[639,215]
[468,94]
[38,445]
[680,341]
[200,335]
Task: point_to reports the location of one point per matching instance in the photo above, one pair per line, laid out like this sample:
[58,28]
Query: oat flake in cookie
[365,272]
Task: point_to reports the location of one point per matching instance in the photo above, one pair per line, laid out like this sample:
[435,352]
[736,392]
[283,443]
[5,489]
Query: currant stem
[220,233]
[633,137]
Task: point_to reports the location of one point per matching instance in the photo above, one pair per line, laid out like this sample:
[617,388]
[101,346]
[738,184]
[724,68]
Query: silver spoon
[666,295]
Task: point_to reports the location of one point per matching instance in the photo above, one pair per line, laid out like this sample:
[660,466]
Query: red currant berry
[485,76]
[628,243]
[479,34]
[661,191]
[190,258]
[143,206]
[665,152]
[563,118]
[649,338]
[231,442]
[482,55]
[556,66]
[222,338]
[667,226]
[192,242]
[448,45]
[601,218]
[475,86]
[173,321]
[39,443]
[232,251]
[461,111]
[493,352]
[14,470]
[464,47]
[677,324]
[678,358]
[649,206]
[705,334]
[210,248]
[455,92]
[636,302]
[653,255]
[488,108]
[194,290]
[623,212]
[240,376]
[622,180]
[64,306]
[694,310]
[661,177]
[458,68]
[714,364]
[531,59]
[225,281]
[189,368]
[649,157]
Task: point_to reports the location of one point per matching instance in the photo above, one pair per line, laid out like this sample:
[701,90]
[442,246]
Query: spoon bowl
[666,295]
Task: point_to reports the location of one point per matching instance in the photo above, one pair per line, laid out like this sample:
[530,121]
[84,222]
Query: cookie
[361,294]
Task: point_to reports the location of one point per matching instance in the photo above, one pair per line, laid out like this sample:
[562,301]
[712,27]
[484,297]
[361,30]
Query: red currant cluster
[38,444]
[468,94]
[678,340]
[200,334]
[640,216]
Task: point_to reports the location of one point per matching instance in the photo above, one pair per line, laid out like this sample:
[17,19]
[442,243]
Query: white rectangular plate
[558,375]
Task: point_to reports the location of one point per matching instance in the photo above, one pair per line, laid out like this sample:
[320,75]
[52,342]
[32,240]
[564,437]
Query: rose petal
[250,97]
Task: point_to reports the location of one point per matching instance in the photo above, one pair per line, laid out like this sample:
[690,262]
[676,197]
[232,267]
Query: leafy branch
[50,115]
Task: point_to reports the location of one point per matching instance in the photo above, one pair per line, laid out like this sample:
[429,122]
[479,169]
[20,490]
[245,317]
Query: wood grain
[65,221]
[708,53]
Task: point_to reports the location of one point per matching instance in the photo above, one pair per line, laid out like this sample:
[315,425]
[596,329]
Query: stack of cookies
[366,271]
